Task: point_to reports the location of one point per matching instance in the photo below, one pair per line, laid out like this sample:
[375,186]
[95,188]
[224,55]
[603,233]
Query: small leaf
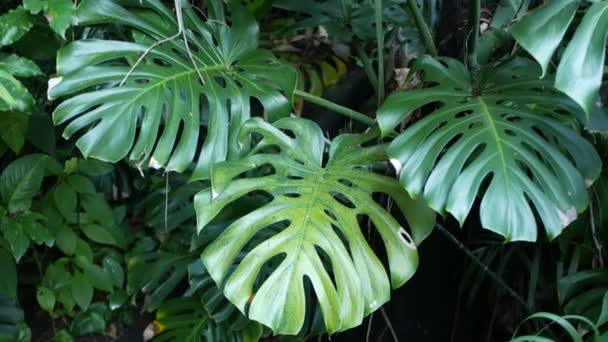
[38,232]
[14,128]
[46,298]
[13,25]
[82,290]
[81,184]
[88,322]
[99,234]
[59,14]
[19,66]
[13,94]
[63,336]
[21,181]
[66,240]
[96,275]
[117,299]
[115,270]
[66,200]
[34,6]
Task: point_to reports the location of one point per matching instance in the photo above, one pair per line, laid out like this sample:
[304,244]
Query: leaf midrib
[495,134]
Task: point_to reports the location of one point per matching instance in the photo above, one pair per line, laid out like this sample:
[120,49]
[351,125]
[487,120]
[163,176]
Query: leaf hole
[220,81]
[342,199]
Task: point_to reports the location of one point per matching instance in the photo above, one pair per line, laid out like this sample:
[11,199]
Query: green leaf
[14,128]
[541,32]
[82,290]
[41,133]
[513,137]
[13,95]
[581,68]
[88,322]
[19,66]
[99,234]
[34,6]
[115,270]
[81,184]
[15,235]
[35,226]
[165,89]
[95,275]
[10,319]
[13,25]
[65,199]
[8,282]
[66,239]
[315,215]
[59,14]
[585,294]
[21,181]
[46,298]
[117,299]
[93,167]
[63,336]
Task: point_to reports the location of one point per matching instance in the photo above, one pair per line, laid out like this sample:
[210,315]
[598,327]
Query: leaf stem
[484,267]
[473,39]
[380,47]
[423,28]
[359,117]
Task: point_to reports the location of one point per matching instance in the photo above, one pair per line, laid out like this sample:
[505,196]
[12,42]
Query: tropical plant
[206,190]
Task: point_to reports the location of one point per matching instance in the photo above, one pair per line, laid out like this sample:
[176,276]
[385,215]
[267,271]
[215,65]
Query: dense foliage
[273,170]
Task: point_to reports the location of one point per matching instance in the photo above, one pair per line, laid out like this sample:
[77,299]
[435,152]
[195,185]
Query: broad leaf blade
[314,208]
[156,116]
[513,136]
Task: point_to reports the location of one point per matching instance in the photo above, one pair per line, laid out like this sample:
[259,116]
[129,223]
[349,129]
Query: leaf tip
[565,218]
[396,164]
[53,82]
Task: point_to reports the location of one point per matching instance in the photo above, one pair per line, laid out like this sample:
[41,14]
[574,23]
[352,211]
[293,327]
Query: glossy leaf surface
[513,137]
[157,116]
[314,221]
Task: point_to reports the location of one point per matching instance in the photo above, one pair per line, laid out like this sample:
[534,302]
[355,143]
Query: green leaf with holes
[164,113]
[515,144]
[581,66]
[315,220]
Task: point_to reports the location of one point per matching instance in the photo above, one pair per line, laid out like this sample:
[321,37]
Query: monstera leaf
[157,114]
[586,294]
[316,215]
[509,134]
[580,70]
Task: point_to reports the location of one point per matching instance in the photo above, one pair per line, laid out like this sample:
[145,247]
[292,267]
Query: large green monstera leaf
[156,116]
[580,70]
[315,220]
[514,143]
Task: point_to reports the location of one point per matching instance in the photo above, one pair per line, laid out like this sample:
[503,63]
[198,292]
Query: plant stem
[423,28]
[473,39]
[380,47]
[360,117]
[485,268]
[367,66]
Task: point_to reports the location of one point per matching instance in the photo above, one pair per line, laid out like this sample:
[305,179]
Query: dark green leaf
[19,66]
[21,181]
[14,127]
[66,200]
[8,281]
[88,322]
[15,235]
[95,275]
[115,270]
[66,240]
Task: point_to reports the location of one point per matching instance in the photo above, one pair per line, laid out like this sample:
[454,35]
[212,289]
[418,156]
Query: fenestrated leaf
[13,25]
[315,208]
[157,114]
[513,136]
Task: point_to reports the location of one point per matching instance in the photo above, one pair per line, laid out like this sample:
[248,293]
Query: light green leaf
[156,116]
[13,95]
[13,25]
[19,66]
[21,181]
[580,70]
[35,6]
[541,32]
[315,208]
[8,281]
[14,128]
[46,298]
[82,290]
[59,14]
[514,137]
